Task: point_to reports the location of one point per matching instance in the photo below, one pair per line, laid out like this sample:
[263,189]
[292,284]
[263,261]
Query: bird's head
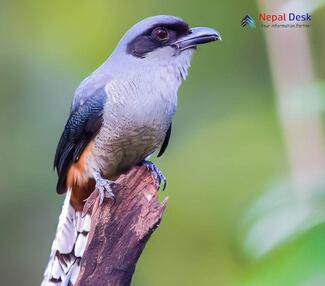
[162,40]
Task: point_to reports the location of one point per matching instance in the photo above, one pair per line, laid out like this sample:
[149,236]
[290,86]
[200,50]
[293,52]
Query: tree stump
[120,231]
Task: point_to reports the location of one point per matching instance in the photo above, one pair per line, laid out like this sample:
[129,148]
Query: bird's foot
[104,189]
[157,175]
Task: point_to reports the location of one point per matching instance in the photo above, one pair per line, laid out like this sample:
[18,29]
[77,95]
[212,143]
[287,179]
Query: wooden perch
[120,231]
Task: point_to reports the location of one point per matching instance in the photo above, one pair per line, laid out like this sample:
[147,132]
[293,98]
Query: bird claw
[157,175]
[103,190]
[103,187]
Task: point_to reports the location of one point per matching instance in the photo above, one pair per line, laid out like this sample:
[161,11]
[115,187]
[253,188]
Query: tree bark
[120,231]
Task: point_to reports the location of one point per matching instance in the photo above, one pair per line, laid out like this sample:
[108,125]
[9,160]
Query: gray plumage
[121,113]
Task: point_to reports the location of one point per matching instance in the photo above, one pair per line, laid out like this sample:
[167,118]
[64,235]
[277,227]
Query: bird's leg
[157,175]
[103,187]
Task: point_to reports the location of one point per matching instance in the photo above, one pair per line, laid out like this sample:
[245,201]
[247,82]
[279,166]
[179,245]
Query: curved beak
[197,36]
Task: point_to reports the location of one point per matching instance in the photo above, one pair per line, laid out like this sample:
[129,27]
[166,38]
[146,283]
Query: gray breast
[136,118]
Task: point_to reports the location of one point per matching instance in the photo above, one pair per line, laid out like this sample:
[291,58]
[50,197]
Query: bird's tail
[68,246]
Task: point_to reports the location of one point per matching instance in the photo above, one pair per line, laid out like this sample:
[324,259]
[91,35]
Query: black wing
[165,144]
[83,124]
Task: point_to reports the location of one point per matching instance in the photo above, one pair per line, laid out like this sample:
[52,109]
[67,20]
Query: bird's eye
[160,34]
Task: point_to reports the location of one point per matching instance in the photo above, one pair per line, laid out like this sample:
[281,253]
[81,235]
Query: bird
[120,115]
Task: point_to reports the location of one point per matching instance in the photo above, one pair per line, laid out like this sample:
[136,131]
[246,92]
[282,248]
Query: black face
[156,37]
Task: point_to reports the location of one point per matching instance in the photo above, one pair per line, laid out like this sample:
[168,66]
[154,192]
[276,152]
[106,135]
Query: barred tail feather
[68,246]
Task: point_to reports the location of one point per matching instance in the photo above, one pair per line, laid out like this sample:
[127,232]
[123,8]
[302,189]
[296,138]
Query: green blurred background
[226,150]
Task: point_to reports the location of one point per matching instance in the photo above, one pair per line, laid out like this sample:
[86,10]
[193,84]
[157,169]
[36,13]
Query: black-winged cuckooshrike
[120,115]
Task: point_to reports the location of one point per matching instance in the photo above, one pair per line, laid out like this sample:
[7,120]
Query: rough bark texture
[120,231]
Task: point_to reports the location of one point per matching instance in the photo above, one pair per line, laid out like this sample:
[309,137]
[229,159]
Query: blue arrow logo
[248,21]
